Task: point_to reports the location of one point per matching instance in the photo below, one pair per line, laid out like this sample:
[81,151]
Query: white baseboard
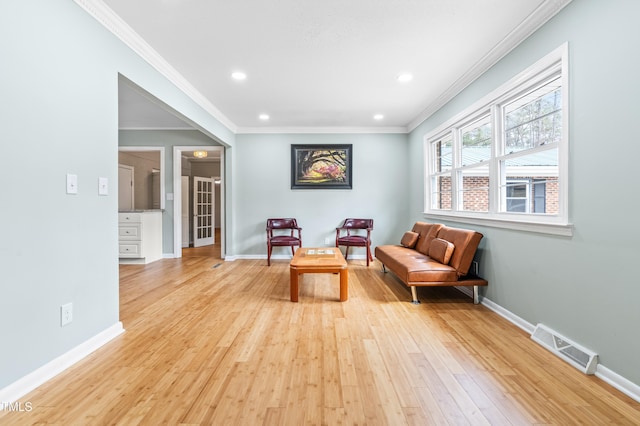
[26,384]
[231,258]
[509,316]
[617,381]
[624,385]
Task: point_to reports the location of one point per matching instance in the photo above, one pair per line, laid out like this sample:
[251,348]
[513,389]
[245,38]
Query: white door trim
[185,212]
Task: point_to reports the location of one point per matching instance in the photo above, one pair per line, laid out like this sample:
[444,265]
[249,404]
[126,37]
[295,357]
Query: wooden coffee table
[319,261]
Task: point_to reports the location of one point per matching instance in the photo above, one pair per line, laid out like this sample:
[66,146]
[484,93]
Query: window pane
[534,119]
[517,195]
[474,189]
[476,141]
[443,154]
[441,192]
[517,190]
[531,184]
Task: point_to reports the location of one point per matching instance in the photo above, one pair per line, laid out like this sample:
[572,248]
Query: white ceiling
[324,63]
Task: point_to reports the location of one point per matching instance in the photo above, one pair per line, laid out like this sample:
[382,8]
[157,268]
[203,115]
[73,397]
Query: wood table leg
[293,278]
[344,285]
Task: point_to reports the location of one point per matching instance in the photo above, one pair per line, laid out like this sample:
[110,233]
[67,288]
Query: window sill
[565,230]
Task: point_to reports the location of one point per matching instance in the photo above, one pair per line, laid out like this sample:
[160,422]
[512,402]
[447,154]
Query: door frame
[177,196]
[185,217]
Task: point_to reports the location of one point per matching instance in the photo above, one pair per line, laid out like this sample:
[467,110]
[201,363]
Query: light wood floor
[213,342]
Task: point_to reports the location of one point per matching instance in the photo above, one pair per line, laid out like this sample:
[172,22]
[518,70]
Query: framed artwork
[321,166]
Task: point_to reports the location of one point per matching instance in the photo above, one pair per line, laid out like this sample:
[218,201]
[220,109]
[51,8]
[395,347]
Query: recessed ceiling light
[239,75]
[263,117]
[378,117]
[404,77]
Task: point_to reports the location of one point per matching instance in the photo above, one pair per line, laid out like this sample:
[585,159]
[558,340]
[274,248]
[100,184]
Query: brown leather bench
[432,254]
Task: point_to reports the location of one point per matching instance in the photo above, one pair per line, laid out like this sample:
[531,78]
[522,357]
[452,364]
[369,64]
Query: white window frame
[555,63]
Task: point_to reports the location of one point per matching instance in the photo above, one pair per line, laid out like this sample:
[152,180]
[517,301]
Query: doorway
[125,188]
[180,159]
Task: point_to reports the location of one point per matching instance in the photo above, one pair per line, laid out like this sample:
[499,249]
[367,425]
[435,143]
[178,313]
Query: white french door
[203,208]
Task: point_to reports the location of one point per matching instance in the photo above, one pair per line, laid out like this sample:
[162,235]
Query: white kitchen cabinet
[140,236]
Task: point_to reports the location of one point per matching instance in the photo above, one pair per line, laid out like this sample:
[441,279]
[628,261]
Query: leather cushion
[414,268]
[441,250]
[466,242]
[427,231]
[409,239]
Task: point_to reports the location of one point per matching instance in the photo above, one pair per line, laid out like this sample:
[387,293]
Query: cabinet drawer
[132,249]
[129,217]
[130,231]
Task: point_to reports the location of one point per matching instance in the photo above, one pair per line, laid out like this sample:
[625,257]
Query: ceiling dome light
[404,77]
[263,117]
[239,75]
[200,154]
[378,117]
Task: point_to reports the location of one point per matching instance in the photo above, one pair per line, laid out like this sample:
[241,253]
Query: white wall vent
[581,358]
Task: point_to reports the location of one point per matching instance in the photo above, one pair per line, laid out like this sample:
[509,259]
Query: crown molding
[316,130]
[112,22]
[531,24]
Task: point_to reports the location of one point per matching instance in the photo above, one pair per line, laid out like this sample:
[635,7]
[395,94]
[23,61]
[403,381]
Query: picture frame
[321,166]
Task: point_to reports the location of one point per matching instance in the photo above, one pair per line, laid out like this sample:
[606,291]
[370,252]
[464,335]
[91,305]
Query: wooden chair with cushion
[355,233]
[281,238]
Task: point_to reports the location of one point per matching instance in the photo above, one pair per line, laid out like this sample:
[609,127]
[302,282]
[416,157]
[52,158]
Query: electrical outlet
[66,314]
[327,241]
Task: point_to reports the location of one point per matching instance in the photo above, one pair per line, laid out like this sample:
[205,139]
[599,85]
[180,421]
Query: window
[473,174]
[504,159]
[441,177]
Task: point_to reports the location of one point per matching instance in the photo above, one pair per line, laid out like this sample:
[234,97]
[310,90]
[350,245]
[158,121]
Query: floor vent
[581,358]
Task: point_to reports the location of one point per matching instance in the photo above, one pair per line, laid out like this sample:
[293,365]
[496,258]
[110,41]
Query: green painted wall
[263,189]
[59,115]
[585,286]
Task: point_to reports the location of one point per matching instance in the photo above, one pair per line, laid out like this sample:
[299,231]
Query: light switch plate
[103,186]
[72,184]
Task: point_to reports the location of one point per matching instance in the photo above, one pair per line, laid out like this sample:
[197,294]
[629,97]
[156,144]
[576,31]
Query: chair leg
[369,258]
[292,251]
[269,255]
[346,253]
